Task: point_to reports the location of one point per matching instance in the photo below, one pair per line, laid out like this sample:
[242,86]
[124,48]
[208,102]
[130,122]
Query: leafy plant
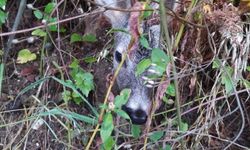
[155,136]
[3,15]
[46,16]
[226,76]
[85,38]
[25,56]
[83,81]
[107,124]
[135,131]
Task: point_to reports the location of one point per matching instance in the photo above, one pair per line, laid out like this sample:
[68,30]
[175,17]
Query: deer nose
[137,116]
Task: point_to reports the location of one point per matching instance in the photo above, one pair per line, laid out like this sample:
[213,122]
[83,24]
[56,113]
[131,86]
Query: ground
[214,118]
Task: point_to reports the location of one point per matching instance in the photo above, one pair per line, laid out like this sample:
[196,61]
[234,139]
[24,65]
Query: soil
[17,107]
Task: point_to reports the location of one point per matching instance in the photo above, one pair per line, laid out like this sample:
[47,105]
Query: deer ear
[118,19]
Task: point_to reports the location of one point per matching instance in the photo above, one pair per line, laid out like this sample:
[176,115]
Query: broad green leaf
[248,68]
[25,56]
[146,14]
[136,130]
[227,80]
[122,113]
[75,38]
[246,83]
[107,127]
[216,63]
[108,145]
[122,98]
[144,42]
[142,66]
[159,55]
[160,59]
[170,90]
[168,147]
[38,14]
[88,83]
[3,17]
[49,7]
[183,127]
[2,3]
[155,136]
[89,38]
[39,32]
[53,27]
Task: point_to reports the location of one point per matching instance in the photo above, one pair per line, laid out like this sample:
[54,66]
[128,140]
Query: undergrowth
[52,96]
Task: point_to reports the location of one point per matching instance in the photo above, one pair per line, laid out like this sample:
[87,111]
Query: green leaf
[216,63]
[3,17]
[53,27]
[49,7]
[38,14]
[76,97]
[227,80]
[159,55]
[107,127]
[90,59]
[2,3]
[89,38]
[25,56]
[248,68]
[122,98]
[155,136]
[74,64]
[109,143]
[136,130]
[88,83]
[160,59]
[183,127]
[146,14]
[170,90]
[39,32]
[66,95]
[122,113]
[142,66]
[246,83]
[168,147]
[144,42]
[75,38]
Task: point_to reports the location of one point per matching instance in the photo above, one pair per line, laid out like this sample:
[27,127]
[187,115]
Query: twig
[171,55]
[21,8]
[108,92]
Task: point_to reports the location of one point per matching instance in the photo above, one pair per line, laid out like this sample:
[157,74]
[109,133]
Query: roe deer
[139,103]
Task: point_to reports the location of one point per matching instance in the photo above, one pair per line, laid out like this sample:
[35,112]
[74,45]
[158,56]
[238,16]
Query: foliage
[25,56]
[83,81]
[3,15]
[85,38]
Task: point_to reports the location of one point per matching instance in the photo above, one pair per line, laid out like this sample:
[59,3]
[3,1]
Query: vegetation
[57,91]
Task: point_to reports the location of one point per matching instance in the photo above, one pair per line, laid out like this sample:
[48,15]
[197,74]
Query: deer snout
[137,116]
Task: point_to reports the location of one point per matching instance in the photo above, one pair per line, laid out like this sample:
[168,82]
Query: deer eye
[118,56]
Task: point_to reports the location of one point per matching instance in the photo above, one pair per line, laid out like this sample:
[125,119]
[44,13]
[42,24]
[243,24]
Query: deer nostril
[137,116]
[139,113]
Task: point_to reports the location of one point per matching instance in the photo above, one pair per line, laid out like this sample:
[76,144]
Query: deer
[139,103]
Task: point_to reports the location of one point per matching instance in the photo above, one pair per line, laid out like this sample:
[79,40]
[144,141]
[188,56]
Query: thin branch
[21,8]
